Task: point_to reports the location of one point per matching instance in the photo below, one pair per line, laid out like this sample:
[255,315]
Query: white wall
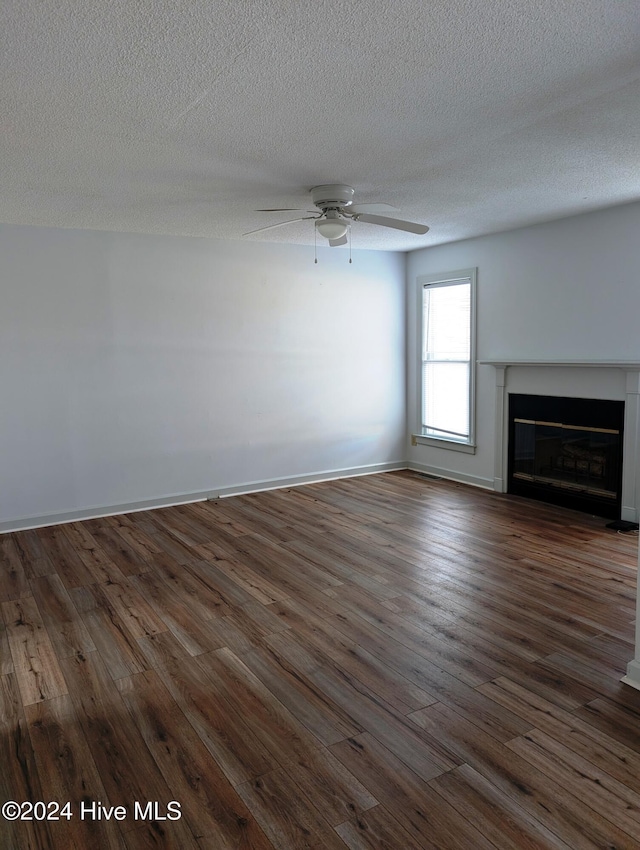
[566,290]
[136,369]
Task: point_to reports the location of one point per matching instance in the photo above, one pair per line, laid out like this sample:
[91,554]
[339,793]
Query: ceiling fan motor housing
[332,196]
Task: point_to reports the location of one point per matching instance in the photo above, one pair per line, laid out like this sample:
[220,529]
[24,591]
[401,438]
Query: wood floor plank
[19,778]
[117,646]
[162,650]
[127,558]
[496,815]
[375,674]
[211,806]
[376,829]
[308,703]
[605,682]
[619,722]
[172,522]
[219,583]
[132,608]
[163,536]
[567,816]
[287,816]
[189,587]
[276,727]
[126,767]
[68,772]
[422,753]
[449,594]
[63,623]
[34,660]
[501,724]
[168,836]
[33,556]
[14,583]
[101,568]
[452,658]
[235,633]
[235,747]
[264,618]
[134,536]
[292,569]
[433,611]
[341,566]
[335,792]
[600,749]
[256,585]
[69,565]
[183,623]
[585,781]
[216,516]
[6,661]
[431,823]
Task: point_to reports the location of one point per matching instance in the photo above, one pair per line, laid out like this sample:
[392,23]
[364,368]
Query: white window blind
[447,359]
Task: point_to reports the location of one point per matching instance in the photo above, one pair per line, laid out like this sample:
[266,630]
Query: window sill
[420,440]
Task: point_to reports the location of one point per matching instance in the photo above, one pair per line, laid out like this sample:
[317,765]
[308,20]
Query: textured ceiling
[472,116]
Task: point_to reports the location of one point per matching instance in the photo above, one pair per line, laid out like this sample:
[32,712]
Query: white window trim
[418,438]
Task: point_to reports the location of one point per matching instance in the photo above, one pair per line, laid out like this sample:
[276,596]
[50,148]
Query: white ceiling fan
[336,212]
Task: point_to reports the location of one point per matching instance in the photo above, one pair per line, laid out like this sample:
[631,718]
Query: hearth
[567,451]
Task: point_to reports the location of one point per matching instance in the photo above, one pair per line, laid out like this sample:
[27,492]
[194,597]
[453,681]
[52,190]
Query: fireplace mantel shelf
[590,364]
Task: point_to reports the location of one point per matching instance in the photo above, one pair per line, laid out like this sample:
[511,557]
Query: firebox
[567,451]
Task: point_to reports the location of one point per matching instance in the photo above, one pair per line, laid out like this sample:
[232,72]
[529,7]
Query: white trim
[26,523]
[633,674]
[630,507]
[630,450]
[441,443]
[452,475]
[450,279]
[299,480]
[499,478]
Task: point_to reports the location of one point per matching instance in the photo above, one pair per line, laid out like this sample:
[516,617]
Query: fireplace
[567,451]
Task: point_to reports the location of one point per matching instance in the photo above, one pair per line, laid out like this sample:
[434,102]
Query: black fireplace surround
[567,451]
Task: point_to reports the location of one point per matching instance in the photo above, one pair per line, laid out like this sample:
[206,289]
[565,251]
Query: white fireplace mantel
[631,441]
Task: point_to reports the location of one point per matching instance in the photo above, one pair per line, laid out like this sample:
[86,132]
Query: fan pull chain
[315,244]
[349,243]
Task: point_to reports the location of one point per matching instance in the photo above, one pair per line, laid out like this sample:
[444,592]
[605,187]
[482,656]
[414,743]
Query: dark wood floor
[383,662]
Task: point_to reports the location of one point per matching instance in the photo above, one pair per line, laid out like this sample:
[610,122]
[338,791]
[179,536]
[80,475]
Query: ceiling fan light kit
[332,227]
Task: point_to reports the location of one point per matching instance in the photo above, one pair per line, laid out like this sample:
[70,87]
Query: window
[448,358]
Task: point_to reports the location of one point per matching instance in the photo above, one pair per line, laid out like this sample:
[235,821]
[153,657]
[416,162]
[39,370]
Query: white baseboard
[452,475]
[628,513]
[299,480]
[26,523]
[633,675]
[59,518]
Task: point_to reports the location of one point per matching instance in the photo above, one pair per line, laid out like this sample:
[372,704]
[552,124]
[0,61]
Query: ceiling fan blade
[333,243]
[397,223]
[280,224]
[282,209]
[356,209]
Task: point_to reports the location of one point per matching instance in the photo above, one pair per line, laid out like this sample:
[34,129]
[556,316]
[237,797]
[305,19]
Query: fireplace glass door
[572,457]
[564,460]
